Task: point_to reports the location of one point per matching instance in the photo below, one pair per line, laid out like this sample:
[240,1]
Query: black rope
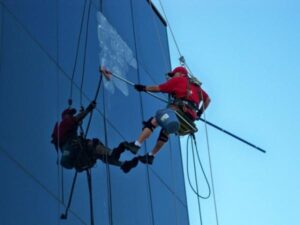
[88,172]
[85,50]
[77,53]
[89,180]
[62,186]
[65,214]
[95,99]
[60,180]
[107,168]
[84,134]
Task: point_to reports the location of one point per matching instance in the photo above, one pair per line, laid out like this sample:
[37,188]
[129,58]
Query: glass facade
[38,51]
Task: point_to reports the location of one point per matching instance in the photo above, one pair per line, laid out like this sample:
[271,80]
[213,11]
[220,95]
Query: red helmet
[179,69]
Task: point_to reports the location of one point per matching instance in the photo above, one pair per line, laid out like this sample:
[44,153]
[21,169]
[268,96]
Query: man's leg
[116,152]
[99,151]
[96,148]
[159,144]
[148,128]
[86,155]
[162,139]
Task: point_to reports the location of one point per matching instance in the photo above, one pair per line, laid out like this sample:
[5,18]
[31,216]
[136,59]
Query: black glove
[91,106]
[140,87]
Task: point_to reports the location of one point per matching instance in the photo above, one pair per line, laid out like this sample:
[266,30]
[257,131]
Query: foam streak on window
[114,54]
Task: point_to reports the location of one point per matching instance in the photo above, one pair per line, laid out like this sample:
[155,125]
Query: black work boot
[131,147]
[146,159]
[116,153]
[128,165]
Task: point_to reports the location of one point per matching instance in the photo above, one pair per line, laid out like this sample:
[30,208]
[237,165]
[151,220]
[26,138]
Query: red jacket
[182,88]
[63,131]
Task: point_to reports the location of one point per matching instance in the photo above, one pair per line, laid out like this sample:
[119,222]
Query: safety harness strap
[183,102]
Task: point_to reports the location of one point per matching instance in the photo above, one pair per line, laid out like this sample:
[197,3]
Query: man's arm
[80,116]
[166,87]
[152,88]
[140,87]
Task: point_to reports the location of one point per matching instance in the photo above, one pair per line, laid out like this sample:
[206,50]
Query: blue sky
[247,55]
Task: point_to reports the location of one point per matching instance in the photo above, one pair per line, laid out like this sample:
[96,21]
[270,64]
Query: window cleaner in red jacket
[187,96]
[77,151]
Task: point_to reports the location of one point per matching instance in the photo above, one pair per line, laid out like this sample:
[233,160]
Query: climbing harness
[187,125]
[181,103]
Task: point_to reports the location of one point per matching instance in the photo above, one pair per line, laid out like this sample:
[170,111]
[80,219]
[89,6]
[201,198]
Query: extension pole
[155,96]
[233,135]
[205,121]
[132,84]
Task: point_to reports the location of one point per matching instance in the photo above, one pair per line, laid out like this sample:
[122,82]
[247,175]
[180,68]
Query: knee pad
[163,135]
[148,124]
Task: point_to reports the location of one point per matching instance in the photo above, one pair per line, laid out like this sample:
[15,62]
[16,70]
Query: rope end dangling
[103,71]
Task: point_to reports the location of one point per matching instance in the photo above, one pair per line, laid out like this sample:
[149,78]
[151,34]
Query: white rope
[210,164]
